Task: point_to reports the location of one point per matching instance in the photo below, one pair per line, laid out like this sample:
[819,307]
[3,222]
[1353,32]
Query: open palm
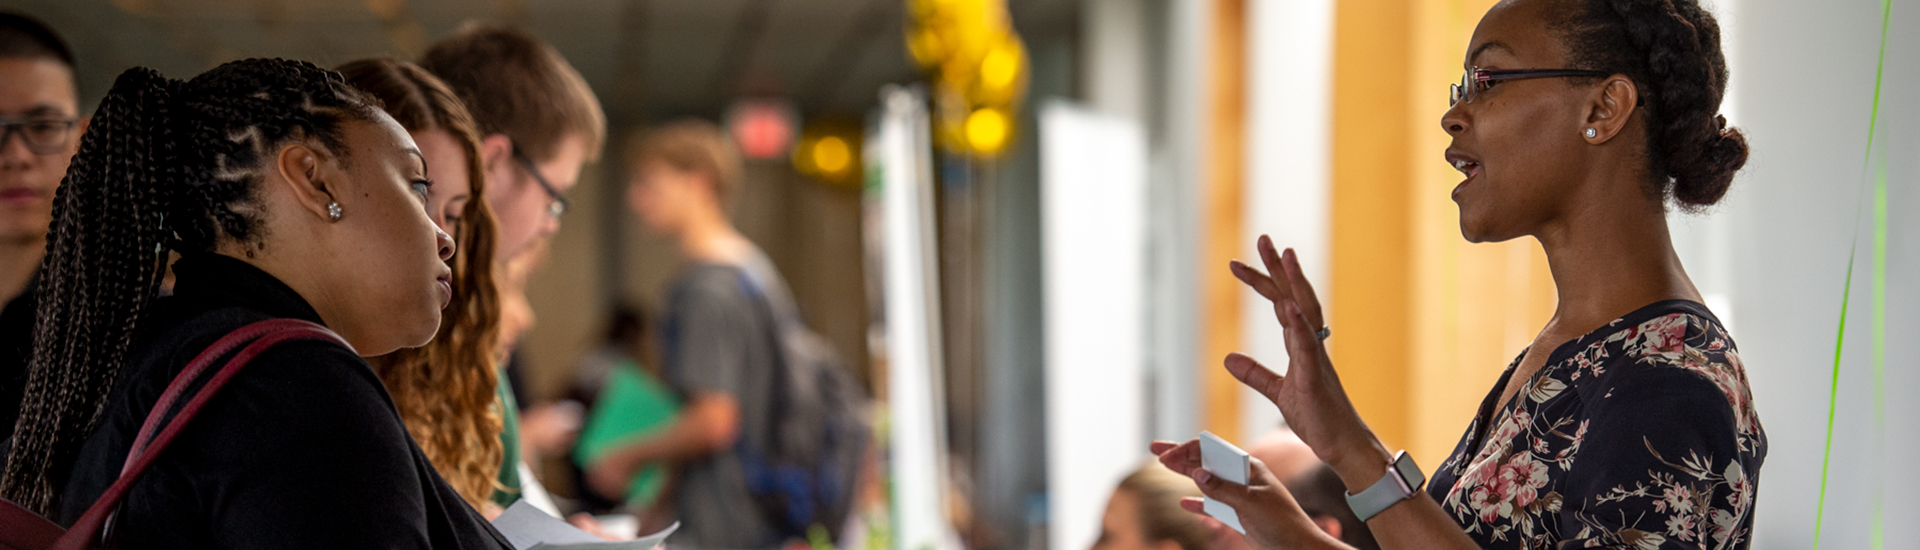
[1309,395]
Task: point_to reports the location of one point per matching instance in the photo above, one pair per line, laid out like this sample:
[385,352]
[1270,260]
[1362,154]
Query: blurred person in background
[721,351]
[446,391]
[40,127]
[1144,514]
[619,384]
[540,124]
[291,196]
[1628,422]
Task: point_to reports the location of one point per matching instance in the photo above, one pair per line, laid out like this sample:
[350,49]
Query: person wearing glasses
[40,126]
[540,124]
[1628,423]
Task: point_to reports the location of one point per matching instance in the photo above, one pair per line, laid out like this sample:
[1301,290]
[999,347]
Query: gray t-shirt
[718,339]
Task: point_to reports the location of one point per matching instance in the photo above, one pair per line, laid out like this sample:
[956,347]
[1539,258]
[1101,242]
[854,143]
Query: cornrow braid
[164,164]
[1671,50]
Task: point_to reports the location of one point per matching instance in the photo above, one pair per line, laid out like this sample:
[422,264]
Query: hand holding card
[1230,464]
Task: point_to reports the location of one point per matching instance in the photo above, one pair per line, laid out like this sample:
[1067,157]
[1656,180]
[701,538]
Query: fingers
[1161,447]
[1194,505]
[1183,459]
[1227,492]
[1301,290]
[1271,260]
[1255,375]
[1256,280]
[1302,344]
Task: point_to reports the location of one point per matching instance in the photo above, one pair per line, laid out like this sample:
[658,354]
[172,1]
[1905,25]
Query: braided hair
[1671,50]
[165,165]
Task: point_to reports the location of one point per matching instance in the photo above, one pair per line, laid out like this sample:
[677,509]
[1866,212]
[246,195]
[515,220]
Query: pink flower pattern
[1662,471]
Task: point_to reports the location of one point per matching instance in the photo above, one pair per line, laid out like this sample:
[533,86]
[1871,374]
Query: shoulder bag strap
[257,337]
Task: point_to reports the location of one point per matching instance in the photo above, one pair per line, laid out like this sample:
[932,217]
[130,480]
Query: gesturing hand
[1272,518]
[1309,395]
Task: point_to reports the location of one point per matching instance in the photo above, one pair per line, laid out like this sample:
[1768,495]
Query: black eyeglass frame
[9,127]
[559,205]
[1476,80]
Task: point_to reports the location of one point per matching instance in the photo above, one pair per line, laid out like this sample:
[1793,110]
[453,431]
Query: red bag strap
[258,337]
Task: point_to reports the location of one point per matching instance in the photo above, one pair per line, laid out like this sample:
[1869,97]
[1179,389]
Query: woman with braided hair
[445,390]
[1628,423]
[288,194]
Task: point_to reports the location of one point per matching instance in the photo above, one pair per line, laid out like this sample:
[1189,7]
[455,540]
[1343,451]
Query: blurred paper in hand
[528,528]
[1230,464]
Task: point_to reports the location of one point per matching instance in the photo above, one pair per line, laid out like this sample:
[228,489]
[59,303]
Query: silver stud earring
[333,211]
[1591,133]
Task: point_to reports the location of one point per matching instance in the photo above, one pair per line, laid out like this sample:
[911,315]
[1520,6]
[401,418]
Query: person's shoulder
[708,283]
[1679,359]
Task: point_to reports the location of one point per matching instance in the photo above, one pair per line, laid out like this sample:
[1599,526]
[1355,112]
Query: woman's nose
[445,243]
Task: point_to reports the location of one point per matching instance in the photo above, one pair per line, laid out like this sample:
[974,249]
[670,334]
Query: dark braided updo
[1671,50]
[164,165]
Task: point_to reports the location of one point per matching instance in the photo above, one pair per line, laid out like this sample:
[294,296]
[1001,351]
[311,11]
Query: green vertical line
[1833,394]
[1840,339]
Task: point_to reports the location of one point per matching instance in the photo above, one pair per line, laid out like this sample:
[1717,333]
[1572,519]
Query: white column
[1289,160]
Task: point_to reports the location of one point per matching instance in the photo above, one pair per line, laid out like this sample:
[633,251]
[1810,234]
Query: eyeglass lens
[42,137]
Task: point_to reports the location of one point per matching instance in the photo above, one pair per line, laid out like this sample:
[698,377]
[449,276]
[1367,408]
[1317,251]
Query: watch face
[1410,476]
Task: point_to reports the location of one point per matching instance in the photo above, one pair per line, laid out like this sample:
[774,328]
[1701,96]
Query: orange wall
[1425,321]
[1224,197]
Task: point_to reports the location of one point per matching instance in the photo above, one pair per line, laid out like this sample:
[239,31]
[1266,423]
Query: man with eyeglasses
[40,128]
[541,125]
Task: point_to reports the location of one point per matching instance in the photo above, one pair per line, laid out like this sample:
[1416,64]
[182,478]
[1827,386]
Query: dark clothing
[16,350]
[1641,434]
[718,340]
[302,449]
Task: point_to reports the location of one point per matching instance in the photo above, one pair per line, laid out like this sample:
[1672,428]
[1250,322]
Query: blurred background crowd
[1010,221]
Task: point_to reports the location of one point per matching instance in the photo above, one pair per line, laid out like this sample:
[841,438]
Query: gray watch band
[1402,480]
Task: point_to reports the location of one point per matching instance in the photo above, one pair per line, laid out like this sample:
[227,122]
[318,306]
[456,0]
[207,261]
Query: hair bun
[1706,178]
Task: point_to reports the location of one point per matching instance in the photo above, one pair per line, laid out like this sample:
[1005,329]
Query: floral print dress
[1641,434]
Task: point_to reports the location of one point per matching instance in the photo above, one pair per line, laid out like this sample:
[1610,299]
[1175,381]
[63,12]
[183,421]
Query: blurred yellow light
[1002,65]
[831,155]
[987,130]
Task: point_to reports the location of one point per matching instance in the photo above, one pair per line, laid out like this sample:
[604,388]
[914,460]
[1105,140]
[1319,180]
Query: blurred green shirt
[633,404]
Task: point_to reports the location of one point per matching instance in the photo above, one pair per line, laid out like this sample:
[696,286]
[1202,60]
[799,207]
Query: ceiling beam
[830,75]
[748,31]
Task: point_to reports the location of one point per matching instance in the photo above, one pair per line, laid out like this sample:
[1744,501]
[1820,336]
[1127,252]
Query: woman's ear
[306,172]
[1609,111]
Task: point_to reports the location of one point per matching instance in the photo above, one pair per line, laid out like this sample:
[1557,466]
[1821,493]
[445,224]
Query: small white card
[1229,463]
[528,528]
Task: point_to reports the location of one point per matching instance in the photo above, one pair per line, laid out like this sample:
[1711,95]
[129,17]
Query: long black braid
[164,165]
[1671,50]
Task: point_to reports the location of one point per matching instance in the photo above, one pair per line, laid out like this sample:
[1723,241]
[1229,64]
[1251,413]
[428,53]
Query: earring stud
[333,211]
[1591,133]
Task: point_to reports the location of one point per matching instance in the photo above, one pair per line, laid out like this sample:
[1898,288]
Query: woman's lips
[446,289]
[1467,167]
[19,196]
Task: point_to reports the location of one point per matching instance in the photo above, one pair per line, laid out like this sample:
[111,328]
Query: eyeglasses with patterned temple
[43,136]
[559,204]
[1478,80]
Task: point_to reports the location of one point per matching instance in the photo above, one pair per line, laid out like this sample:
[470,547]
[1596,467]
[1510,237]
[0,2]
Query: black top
[302,449]
[1641,434]
[16,347]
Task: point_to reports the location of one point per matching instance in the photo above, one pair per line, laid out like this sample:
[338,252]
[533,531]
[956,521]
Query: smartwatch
[1402,481]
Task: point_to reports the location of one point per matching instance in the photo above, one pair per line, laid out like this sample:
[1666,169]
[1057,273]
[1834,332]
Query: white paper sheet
[528,528]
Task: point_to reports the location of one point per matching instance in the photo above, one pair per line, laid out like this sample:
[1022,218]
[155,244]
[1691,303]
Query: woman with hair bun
[1628,422]
[289,195]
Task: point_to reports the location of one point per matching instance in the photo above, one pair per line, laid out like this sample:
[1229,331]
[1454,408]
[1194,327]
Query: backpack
[806,478]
